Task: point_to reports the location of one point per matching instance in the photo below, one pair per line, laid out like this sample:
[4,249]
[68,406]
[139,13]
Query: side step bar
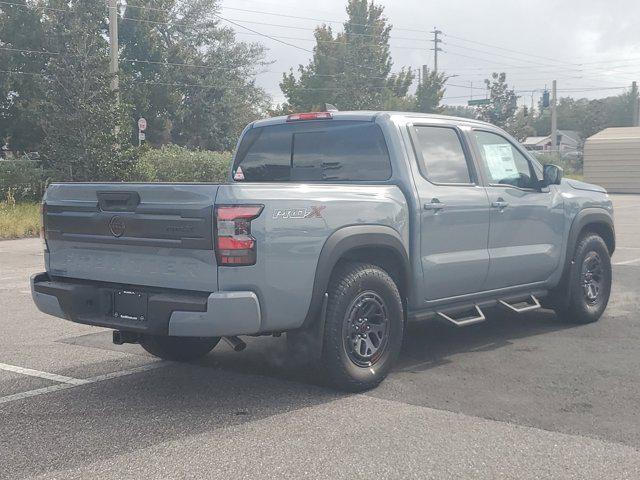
[464,321]
[522,306]
[517,306]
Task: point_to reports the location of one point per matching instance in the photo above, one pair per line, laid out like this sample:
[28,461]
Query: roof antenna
[329,108]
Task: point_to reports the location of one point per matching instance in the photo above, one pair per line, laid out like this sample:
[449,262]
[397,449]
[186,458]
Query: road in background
[515,397]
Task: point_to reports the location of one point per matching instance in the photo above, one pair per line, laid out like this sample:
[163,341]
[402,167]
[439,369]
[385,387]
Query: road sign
[142,124]
[480,101]
[141,136]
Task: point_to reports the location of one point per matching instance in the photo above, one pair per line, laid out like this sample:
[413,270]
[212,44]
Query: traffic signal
[545,99]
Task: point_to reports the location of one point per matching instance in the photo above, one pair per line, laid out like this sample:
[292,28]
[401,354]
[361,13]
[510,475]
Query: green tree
[588,116]
[520,124]
[187,74]
[503,101]
[459,111]
[351,69]
[85,129]
[430,92]
[22,31]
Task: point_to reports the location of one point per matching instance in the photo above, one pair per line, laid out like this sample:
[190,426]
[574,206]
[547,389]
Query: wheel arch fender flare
[349,239]
[589,216]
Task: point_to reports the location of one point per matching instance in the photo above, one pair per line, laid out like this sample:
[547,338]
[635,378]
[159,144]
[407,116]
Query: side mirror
[552,175]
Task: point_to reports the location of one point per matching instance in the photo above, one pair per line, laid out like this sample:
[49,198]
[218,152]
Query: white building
[568,141]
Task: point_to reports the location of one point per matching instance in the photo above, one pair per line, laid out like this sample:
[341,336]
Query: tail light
[234,244]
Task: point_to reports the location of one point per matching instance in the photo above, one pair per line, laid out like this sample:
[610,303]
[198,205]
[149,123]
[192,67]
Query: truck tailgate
[138,234]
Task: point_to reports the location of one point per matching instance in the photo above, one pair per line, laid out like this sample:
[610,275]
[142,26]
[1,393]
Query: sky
[591,47]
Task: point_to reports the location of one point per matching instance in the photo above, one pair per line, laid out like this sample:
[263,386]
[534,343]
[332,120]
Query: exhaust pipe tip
[235,343]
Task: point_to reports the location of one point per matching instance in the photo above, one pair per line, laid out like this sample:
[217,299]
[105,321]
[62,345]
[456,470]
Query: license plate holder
[130,305]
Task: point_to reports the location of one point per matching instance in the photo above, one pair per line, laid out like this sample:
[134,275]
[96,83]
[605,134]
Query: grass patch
[19,220]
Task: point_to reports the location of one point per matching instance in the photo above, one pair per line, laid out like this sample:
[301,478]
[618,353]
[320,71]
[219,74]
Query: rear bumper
[169,312]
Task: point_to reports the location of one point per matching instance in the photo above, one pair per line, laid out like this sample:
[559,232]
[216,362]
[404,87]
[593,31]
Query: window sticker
[500,161]
[239,175]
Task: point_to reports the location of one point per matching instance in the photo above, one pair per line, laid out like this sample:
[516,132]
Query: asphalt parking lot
[515,397]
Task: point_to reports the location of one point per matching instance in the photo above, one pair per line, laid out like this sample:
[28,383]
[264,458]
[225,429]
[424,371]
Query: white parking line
[37,373]
[628,262]
[625,206]
[33,393]
[68,382]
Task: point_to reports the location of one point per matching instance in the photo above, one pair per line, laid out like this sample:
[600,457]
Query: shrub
[173,163]
[22,180]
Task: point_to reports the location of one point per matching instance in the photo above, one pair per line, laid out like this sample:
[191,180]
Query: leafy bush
[173,163]
[22,180]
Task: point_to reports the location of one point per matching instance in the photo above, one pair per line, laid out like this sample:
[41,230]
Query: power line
[503,48]
[177,64]
[22,50]
[311,18]
[233,22]
[279,39]
[22,73]
[283,15]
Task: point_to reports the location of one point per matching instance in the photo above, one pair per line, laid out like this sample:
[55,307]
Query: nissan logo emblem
[116,226]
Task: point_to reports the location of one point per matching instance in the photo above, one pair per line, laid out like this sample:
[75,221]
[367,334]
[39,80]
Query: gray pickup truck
[336,228]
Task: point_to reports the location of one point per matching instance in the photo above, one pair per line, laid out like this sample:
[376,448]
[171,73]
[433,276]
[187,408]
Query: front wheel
[181,349]
[363,328]
[589,282]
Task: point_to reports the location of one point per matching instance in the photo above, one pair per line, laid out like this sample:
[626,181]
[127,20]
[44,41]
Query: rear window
[326,150]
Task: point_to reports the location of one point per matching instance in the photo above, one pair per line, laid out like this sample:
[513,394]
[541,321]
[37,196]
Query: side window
[441,157]
[265,155]
[503,163]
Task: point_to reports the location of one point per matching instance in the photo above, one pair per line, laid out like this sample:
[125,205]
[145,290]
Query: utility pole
[113,44]
[436,40]
[554,118]
[419,76]
[636,105]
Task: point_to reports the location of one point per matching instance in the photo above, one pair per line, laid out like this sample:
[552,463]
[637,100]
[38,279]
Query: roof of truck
[368,115]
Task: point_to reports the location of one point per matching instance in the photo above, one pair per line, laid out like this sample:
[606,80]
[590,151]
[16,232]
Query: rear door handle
[434,205]
[501,204]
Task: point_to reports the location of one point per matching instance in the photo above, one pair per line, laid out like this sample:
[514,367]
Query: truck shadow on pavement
[427,345]
[431,344]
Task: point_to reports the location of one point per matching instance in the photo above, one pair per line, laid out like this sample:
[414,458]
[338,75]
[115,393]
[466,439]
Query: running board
[464,321]
[531,303]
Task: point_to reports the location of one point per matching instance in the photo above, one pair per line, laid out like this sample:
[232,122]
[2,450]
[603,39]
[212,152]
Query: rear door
[527,221]
[454,224]
[141,234]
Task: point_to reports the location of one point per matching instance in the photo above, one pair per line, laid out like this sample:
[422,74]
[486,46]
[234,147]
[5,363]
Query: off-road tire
[577,307]
[349,283]
[181,349]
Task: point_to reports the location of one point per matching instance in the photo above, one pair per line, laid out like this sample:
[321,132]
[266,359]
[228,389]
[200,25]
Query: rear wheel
[178,348]
[589,282]
[363,328]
